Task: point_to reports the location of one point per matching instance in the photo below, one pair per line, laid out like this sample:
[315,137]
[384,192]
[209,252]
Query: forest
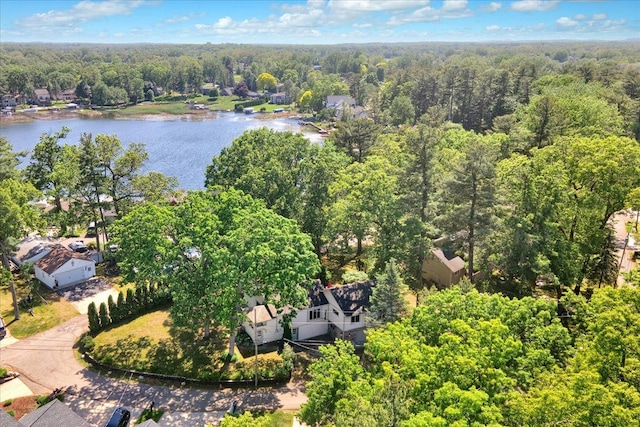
[515,156]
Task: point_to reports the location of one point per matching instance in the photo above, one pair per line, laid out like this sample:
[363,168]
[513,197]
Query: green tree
[9,160]
[356,137]
[470,195]
[331,377]
[214,249]
[388,302]
[401,111]
[94,319]
[267,82]
[17,217]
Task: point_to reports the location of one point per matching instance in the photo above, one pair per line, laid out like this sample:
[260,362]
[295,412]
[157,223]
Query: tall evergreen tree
[388,302]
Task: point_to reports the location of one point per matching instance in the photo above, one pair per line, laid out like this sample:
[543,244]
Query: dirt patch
[20,406]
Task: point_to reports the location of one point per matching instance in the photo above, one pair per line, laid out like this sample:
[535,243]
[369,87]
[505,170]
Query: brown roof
[449,259]
[57,258]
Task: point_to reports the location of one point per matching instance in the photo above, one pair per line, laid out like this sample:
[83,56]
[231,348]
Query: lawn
[46,315]
[151,343]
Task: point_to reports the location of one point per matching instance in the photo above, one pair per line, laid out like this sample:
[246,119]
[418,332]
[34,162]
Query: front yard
[151,343]
[51,312]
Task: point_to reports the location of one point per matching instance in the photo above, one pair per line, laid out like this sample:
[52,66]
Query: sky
[316,21]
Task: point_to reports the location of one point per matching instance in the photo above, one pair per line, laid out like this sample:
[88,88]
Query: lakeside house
[442,268]
[61,267]
[338,311]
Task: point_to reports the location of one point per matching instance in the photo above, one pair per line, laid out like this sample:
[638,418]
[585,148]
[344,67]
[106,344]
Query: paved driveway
[93,290]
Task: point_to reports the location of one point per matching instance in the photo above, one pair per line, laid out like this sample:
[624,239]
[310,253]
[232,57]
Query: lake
[177,146]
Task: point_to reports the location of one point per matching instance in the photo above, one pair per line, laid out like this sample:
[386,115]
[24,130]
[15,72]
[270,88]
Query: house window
[259,324]
[314,314]
[355,319]
[335,312]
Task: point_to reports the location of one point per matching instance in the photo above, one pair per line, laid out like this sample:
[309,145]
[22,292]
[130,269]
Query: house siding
[70,272]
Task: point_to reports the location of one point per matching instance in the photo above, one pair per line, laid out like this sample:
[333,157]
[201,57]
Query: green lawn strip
[45,315]
[151,343]
[149,414]
[281,419]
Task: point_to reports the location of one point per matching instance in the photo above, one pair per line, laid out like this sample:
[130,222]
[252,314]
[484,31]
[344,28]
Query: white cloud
[534,5]
[453,5]
[580,17]
[600,16]
[493,28]
[375,5]
[566,22]
[494,6]
[80,13]
[363,25]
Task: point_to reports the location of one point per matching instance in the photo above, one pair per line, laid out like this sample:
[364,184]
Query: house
[279,98]
[227,91]
[338,101]
[443,268]
[41,97]
[69,95]
[206,88]
[62,267]
[337,311]
[9,101]
[54,413]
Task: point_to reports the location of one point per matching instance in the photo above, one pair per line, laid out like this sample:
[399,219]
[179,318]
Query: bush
[94,319]
[3,372]
[103,314]
[229,358]
[11,412]
[353,276]
[7,402]
[87,345]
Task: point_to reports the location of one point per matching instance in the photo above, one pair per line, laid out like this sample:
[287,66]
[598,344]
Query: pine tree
[103,314]
[388,302]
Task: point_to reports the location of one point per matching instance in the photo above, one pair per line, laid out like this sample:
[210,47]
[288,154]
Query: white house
[63,267]
[337,311]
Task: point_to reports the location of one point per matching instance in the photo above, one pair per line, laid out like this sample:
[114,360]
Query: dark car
[78,246]
[120,418]
[3,329]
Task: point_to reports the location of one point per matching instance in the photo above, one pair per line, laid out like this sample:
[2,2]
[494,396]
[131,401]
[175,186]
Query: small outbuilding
[443,268]
[61,267]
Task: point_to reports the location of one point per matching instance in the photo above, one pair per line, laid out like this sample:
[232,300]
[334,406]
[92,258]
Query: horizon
[317,22]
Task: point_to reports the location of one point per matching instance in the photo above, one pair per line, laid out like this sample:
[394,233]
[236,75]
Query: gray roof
[53,414]
[7,420]
[316,294]
[453,262]
[353,298]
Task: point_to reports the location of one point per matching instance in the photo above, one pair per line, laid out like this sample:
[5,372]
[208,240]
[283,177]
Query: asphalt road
[47,361]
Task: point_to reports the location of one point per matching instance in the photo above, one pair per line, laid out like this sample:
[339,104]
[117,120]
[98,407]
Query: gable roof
[353,298]
[57,258]
[316,295]
[7,420]
[453,262]
[53,414]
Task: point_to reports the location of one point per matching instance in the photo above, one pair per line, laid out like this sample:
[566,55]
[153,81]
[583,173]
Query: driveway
[47,361]
[82,294]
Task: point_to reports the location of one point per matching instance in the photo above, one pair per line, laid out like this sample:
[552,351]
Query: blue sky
[316,21]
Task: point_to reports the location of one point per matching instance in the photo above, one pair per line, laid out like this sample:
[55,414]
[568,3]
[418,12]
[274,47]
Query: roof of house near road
[58,256]
[7,420]
[449,259]
[53,414]
[316,294]
[354,297]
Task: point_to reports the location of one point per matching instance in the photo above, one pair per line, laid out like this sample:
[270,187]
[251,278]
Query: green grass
[46,315]
[154,108]
[281,419]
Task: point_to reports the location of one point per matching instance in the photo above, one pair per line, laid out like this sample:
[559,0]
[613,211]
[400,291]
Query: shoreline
[21,118]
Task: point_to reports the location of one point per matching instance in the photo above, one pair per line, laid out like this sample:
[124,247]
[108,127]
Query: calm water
[182,148]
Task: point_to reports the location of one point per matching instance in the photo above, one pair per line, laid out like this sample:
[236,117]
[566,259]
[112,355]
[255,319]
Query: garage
[62,267]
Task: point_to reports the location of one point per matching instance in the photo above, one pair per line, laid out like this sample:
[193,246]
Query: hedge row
[238,107]
[142,300]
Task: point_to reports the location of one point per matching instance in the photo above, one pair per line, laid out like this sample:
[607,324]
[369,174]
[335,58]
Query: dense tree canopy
[214,250]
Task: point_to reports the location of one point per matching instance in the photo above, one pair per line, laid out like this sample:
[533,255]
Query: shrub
[11,412]
[3,372]
[229,358]
[103,314]
[352,276]
[94,319]
[288,357]
[87,345]
[7,402]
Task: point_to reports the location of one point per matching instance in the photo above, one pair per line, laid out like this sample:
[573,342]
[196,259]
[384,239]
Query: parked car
[119,418]
[3,329]
[78,246]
